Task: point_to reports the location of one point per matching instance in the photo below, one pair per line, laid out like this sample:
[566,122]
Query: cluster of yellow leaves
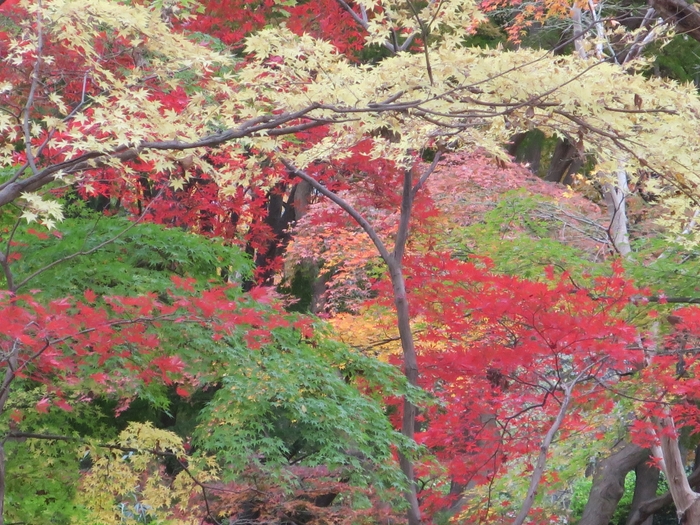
[481,97]
[454,96]
[372,330]
[38,209]
[124,113]
[126,484]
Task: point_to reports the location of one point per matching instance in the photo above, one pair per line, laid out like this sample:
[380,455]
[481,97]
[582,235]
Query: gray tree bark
[686,500]
[609,483]
[647,508]
[647,481]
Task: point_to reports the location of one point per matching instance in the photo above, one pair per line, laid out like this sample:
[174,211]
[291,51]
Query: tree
[146,105]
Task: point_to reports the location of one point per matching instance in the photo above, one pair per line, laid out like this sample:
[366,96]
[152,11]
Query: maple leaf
[43,406]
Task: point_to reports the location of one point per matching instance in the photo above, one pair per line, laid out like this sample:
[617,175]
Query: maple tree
[516,216]
[136,107]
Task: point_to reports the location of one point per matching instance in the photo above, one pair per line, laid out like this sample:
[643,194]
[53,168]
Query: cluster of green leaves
[119,257]
[679,59]
[519,235]
[296,401]
[665,266]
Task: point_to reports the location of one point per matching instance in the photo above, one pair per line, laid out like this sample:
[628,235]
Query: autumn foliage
[177,179]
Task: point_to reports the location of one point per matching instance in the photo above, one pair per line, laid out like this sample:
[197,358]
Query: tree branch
[32,92]
[344,205]
[426,174]
[654,505]
[405,217]
[7,271]
[544,448]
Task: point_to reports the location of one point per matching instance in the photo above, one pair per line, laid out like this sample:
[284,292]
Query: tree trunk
[394,264]
[680,12]
[647,481]
[649,507]
[410,362]
[526,148]
[609,484]
[4,395]
[615,195]
[578,32]
[565,162]
[686,500]
[692,515]
[2,483]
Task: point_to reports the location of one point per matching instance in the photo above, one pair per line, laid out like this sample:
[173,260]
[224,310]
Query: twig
[424,177]
[344,205]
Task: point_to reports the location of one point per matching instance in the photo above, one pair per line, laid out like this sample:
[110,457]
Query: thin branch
[657,110]
[32,92]
[9,374]
[405,217]
[426,174]
[7,271]
[425,34]
[353,14]
[12,235]
[344,205]
[544,448]
[672,300]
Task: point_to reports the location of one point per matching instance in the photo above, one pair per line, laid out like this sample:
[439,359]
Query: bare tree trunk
[565,162]
[526,148]
[687,501]
[609,484]
[578,32]
[615,194]
[648,508]
[408,422]
[2,482]
[647,481]
[12,363]
[403,318]
[542,459]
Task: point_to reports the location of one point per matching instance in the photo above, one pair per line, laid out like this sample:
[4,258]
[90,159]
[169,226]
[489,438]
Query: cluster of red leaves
[231,22]
[466,186]
[496,352]
[463,188]
[199,206]
[329,237]
[112,344]
[471,182]
[670,382]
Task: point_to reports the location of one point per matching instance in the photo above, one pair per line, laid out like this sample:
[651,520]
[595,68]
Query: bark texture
[686,500]
[615,194]
[609,484]
[686,16]
[647,509]
[647,480]
[565,162]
